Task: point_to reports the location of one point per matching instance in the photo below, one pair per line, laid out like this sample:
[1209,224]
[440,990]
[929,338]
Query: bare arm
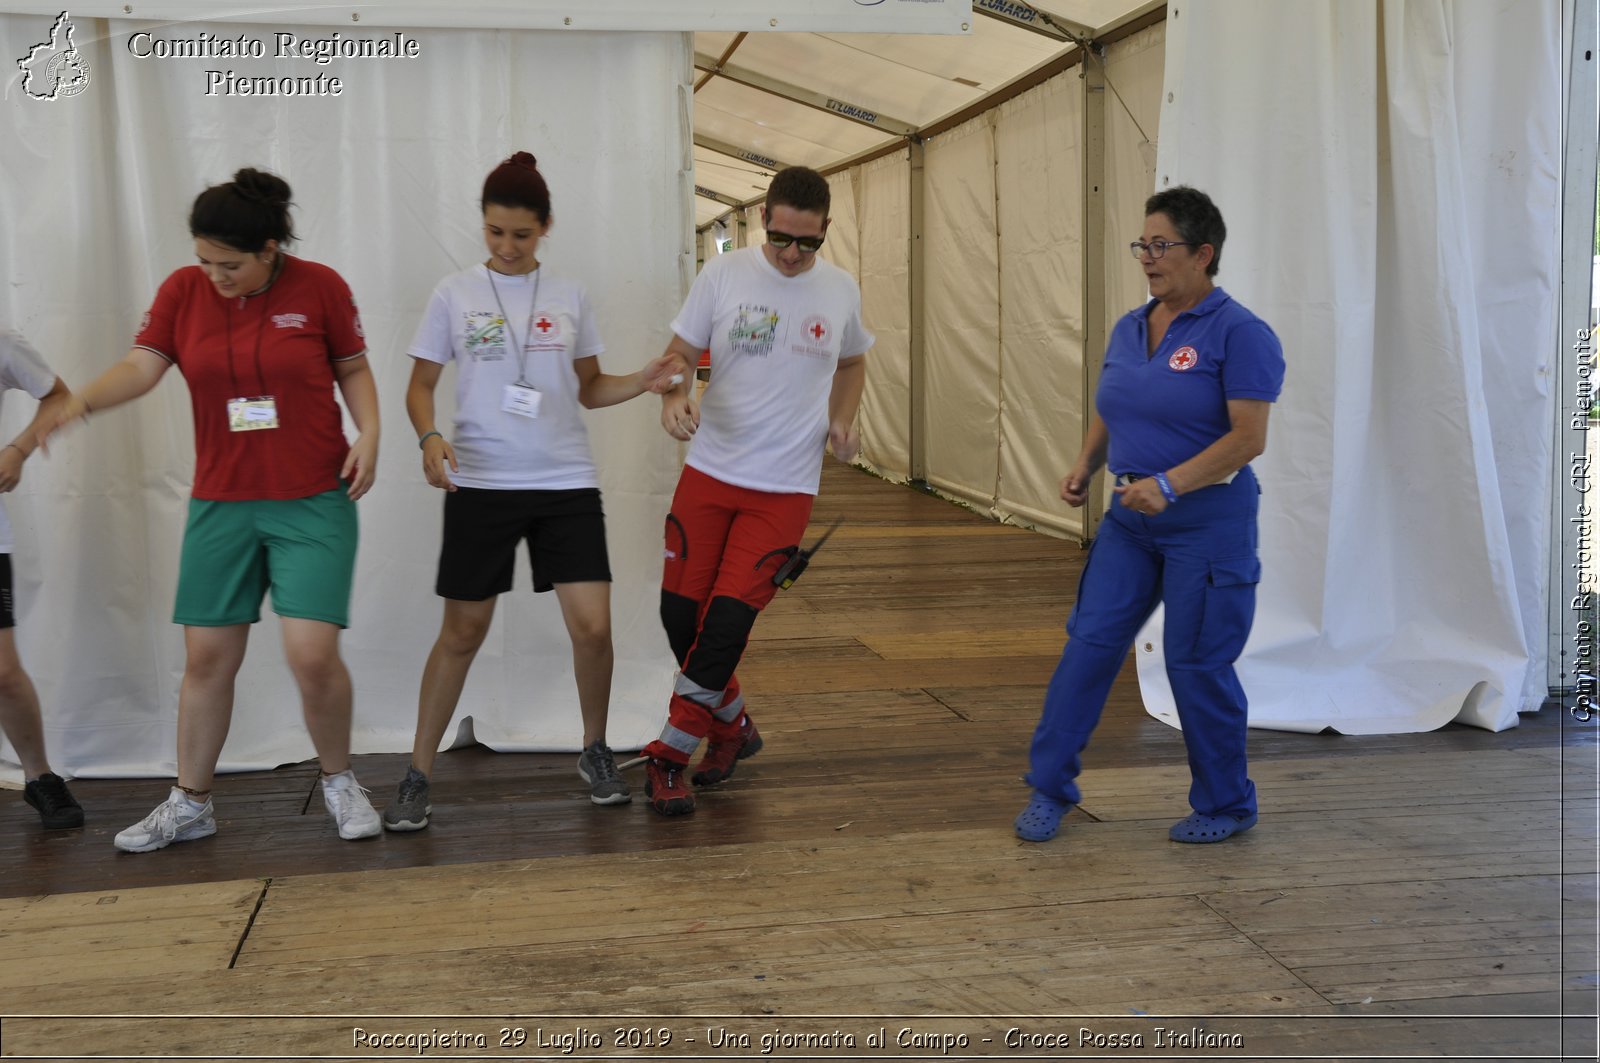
[14,453]
[437,451]
[597,389]
[360,391]
[1092,456]
[844,399]
[1246,439]
[680,415]
[138,371]
[1243,442]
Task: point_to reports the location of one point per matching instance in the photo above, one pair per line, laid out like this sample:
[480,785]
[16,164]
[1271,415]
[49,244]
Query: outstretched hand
[663,374]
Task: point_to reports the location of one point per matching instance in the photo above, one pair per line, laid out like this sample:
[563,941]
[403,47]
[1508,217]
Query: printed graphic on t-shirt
[754,330]
[289,320]
[544,334]
[485,335]
[816,338]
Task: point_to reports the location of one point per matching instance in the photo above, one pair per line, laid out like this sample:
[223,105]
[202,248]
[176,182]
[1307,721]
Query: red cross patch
[1183,358]
[546,327]
[816,331]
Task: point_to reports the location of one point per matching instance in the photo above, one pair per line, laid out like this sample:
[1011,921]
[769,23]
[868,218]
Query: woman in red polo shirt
[261,338]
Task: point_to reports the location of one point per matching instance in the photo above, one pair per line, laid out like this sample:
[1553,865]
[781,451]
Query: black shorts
[8,616]
[565,532]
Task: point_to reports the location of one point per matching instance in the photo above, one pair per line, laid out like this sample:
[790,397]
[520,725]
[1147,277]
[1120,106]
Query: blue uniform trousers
[1198,557]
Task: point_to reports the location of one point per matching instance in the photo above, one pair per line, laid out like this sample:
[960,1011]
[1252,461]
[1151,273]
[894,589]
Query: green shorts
[303,548]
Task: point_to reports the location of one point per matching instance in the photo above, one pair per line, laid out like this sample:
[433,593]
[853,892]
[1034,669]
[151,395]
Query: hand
[436,454]
[844,440]
[11,459]
[657,377]
[361,465]
[73,408]
[1143,496]
[1075,487]
[680,416]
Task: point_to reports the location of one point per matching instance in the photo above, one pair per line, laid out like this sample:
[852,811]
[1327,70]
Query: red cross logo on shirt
[817,333]
[546,328]
[1183,358]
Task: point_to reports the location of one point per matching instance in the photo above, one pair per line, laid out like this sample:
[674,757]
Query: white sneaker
[176,819]
[348,805]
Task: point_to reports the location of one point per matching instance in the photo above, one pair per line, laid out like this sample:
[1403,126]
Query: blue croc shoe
[1199,828]
[1041,819]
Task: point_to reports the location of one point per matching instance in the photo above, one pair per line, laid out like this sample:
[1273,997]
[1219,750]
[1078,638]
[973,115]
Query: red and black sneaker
[724,753]
[666,789]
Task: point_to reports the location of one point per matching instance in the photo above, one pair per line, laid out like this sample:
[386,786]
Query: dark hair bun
[517,182]
[258,186]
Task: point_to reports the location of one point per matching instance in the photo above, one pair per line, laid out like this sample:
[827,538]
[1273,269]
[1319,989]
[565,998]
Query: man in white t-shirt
[787,368]
[22,369]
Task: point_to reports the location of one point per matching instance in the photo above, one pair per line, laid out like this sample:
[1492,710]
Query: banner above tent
[811,16]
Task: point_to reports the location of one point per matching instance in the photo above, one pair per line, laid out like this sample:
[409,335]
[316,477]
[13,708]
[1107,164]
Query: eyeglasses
[808,245]
[1156,247]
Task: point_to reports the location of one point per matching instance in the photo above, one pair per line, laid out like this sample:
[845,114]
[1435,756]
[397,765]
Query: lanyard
[533,308]
[261,326]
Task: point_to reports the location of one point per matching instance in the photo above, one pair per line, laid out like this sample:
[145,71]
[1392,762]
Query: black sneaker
[57,807]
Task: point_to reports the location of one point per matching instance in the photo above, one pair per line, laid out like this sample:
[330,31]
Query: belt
[1126,478]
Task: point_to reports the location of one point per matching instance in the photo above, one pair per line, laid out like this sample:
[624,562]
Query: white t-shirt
[22,368]
[775,342]
[494,447]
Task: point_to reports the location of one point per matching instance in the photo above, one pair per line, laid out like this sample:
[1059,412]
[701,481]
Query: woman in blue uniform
[1182,406]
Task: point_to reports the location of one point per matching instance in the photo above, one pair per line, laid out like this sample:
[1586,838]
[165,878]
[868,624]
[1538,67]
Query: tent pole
[917,380]
[1093,78]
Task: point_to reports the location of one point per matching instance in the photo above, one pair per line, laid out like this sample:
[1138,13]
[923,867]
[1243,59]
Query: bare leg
[460,634]
[205,701]
[312,649]
[19,709]
[586,608]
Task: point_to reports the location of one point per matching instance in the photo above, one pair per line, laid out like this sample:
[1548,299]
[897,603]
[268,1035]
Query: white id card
[521,400]
[252,414]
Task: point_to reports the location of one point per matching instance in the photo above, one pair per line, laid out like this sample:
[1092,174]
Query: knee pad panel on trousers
[680,617]
[724,633]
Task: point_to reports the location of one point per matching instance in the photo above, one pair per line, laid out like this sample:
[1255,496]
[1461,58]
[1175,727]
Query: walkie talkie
[796,564]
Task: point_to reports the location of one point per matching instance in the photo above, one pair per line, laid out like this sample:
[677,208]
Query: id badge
[252,414]
[521,400]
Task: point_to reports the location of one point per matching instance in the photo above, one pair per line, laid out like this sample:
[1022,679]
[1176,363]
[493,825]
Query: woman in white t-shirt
[22,369]
[515,466]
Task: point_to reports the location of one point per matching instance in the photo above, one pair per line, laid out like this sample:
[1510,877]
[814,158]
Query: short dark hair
[1196,218]
[517,182]
[244,213]
[801,188]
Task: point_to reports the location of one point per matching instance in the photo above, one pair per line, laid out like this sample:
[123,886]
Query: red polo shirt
[283,343]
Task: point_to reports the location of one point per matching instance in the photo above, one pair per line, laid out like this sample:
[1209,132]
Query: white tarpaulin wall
[1393,215]
[95,195]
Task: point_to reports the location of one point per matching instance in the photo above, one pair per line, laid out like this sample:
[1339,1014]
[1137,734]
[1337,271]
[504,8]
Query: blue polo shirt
[1164,409]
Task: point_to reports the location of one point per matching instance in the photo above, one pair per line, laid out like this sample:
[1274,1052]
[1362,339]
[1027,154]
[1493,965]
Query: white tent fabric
[1004,269]
[883,210]
[1394,219]
[95,192]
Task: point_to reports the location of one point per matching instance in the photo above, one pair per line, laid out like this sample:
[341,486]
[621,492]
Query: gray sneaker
[599,769]
[410,808]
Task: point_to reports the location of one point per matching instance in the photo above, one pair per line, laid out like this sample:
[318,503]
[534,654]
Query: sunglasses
[808,245]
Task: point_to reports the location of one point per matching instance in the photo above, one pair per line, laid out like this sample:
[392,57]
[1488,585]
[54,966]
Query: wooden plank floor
[1417,895]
